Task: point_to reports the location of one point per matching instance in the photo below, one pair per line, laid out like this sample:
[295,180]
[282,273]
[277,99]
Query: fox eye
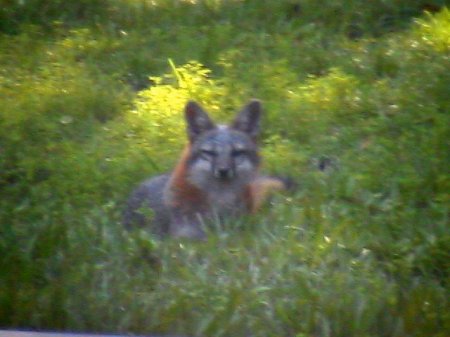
[208,153]
[238,153]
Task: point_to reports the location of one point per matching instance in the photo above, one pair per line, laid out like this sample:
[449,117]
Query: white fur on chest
[226,200]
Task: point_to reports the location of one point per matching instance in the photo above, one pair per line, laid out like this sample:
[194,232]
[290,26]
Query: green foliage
[356,111]
[157,109]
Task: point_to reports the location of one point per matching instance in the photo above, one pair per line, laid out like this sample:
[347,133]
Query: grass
[356,111]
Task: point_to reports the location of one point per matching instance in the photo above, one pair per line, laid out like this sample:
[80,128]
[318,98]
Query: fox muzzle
[223,173]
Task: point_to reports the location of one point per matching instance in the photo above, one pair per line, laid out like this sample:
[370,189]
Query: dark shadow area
[376,17]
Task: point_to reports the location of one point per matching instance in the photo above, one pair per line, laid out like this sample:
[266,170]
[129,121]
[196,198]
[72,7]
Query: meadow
[356,99]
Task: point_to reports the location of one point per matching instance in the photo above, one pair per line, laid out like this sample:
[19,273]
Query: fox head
[222,154]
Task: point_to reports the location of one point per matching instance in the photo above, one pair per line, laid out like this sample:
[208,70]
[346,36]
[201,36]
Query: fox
[217,177]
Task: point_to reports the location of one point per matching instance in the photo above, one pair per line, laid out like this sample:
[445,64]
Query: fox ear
[248,119]
[197,120]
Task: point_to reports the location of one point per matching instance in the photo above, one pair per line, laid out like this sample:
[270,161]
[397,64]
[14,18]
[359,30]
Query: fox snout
[223,167]
[224,173]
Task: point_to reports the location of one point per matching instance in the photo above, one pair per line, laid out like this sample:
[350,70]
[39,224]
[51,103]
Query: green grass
[92,94]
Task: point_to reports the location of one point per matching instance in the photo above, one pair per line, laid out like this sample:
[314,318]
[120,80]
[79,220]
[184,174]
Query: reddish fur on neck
[184,194]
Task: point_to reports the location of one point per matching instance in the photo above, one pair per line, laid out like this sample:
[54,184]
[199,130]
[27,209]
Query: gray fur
[149,194]
[221,163]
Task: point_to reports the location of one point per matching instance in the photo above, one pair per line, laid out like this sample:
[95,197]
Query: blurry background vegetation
[357,103]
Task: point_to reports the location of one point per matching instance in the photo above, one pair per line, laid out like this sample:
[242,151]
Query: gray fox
[217,176]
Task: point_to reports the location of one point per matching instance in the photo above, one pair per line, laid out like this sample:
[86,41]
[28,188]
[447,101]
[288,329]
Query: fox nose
[223,173]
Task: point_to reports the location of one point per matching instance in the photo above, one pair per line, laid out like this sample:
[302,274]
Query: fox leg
[185,226]
[262,188]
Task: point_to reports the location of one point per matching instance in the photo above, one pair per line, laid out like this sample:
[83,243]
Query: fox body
[217,176]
